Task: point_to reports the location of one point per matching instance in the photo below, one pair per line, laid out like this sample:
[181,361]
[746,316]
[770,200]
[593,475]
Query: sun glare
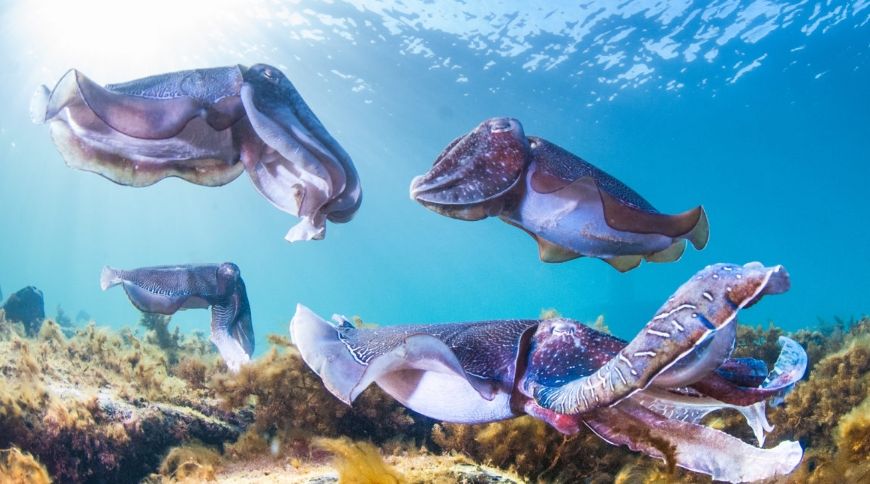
[124,39]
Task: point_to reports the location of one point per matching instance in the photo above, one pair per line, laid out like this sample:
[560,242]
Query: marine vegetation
[206,126]
[18,467]
[108,405]
[101,405]
[532,184]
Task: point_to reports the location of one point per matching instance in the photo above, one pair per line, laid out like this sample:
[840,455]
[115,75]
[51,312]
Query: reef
[153,404]
[27,307]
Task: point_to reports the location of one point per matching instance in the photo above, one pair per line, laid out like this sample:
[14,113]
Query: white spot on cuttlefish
[672,311]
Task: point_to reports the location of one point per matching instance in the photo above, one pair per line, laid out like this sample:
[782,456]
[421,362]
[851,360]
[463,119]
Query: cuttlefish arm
[140,132]
[694,325]
[691,446]
[167,289]
[293,161]
[452,372]
[735,391]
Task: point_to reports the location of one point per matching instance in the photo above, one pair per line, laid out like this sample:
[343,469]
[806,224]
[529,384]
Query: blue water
[760,111]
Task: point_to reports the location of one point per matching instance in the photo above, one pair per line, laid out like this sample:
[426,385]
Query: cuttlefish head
[471,178]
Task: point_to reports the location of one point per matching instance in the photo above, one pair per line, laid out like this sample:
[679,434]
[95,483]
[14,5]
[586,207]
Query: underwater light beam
[118,38]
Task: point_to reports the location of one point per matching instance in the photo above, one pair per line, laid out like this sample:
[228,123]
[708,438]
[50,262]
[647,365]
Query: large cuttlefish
[167,289]
[649,394]
[569,206]
[206,126]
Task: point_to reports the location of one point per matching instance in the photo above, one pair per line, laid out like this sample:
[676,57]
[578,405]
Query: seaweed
[534,450]
[100,406]
[158,334]
[358,462]
[18,467]
[193,462]
[108,405]
[837,384]
[290,402]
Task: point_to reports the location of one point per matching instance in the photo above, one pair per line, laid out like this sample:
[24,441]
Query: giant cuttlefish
[167,289]
[569,206]
[206,126]
[649,393]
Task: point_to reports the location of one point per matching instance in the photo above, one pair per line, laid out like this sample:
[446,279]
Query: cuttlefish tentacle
[789,368]
[167,289]
[689,325]
[691,446]
[714,392]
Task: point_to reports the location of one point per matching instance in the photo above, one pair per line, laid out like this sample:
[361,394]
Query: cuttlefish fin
[624,263]
[346,377]
[136,116]
[691,224]
[691,446]
[146,300]
[550,252]
[547,251]
[109,277]
[672,253]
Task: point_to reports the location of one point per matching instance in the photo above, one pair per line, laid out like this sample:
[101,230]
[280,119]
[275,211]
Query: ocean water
[759,110]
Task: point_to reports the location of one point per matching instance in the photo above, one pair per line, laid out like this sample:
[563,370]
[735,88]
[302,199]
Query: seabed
[90,404]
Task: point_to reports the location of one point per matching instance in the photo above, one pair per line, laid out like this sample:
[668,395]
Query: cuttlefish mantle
[167,289]
[648,394]
[570,207]
[206,126]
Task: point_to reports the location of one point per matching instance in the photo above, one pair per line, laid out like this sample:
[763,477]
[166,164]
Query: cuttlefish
[206,126]
[570,207]
[649,394]
[167,289]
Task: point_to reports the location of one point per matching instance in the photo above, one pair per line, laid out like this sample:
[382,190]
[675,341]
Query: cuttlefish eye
[228,275]
[469,178]
[264,73]
[499,125]
[558,329]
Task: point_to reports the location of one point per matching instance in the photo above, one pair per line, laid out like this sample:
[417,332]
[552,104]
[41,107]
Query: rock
[27,307]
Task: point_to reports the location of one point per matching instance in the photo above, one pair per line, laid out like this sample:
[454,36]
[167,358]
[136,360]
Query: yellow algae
[51,387]
[549,313]
[533,449]
[290,400]
[359,462]
[51,333]
[600,325]
[190,463]
[838,383]
[18,467]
